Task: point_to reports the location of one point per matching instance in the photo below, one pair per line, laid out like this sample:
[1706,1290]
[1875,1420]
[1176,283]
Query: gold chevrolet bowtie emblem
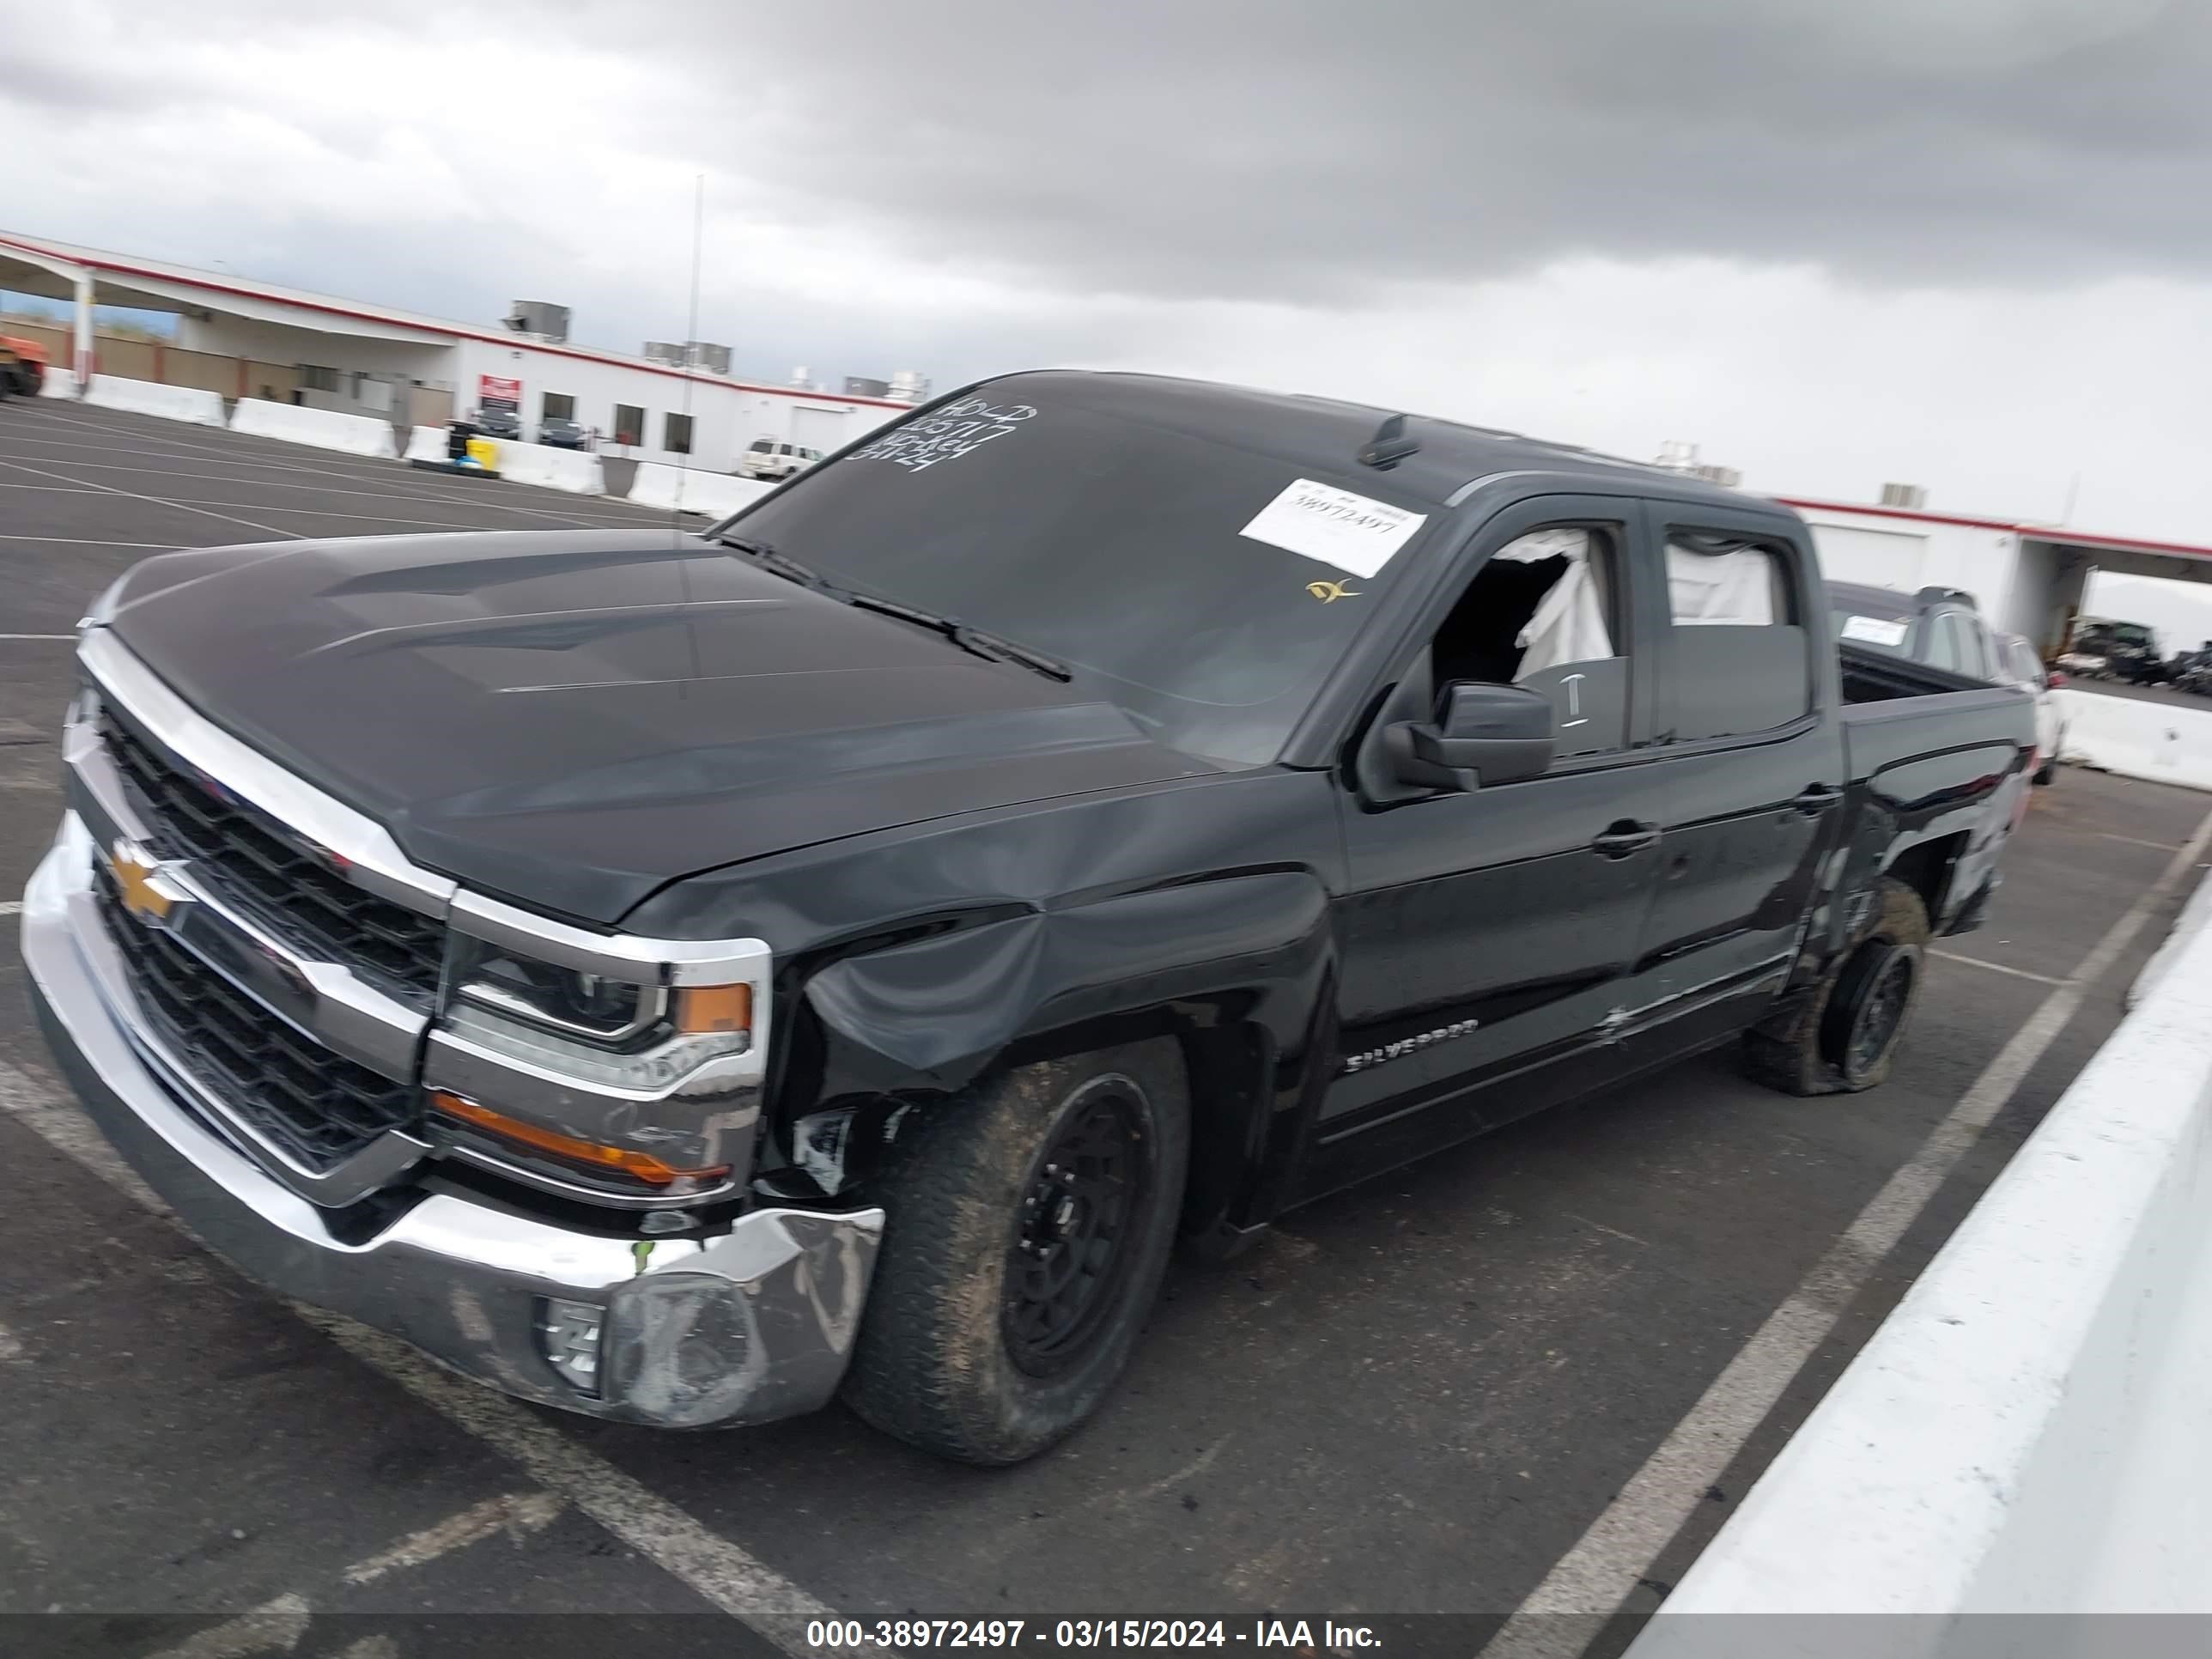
[136,877]
[1330,592]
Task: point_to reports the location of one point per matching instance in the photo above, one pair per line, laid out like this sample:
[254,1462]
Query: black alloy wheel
[1070,1250]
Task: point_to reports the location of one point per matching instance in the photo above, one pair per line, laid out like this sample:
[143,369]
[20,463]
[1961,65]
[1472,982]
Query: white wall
[725,416]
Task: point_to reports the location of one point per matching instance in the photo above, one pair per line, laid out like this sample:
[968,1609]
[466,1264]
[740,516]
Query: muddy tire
[1028,1222]
[1841,1035]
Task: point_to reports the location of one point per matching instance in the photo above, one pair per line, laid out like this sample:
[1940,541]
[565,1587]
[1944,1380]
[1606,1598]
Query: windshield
[1113,544]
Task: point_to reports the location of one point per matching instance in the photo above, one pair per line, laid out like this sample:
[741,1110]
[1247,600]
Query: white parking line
[1999,967]
[490,504]
[87,541]
[251,524]
[1588,1584]
[712,1567]
[34,637]
[354,515]
[277,1624]
[366,472]
[517,1514]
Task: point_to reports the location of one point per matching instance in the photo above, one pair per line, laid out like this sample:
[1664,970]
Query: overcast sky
[1962,243]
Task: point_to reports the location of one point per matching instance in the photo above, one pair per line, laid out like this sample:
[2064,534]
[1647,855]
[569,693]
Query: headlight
[587,1005]
[612,1033]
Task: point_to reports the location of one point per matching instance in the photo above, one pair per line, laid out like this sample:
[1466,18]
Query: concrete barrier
[573,470]
[324,429]
[2137,738]
[426,443]
[57,383]
[691,489]
[2028,1432]
[171,402]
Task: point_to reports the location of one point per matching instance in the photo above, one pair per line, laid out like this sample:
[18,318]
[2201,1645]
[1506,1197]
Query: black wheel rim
[1080,1214]
[1880,1013]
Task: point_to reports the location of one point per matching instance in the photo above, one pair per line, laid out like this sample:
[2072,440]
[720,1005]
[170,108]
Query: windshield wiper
[789,569]
[976,640]
[980,642]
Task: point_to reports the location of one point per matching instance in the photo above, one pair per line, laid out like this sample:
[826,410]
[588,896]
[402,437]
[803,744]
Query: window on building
[557,406]
[313,379]
[676,434]
[629,424]
[1743,661]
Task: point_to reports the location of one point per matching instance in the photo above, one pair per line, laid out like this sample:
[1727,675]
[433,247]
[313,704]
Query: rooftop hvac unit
[1727,477]
[710,357]
[1910,496]
[909,386]
[664,351]
[859,385]
[798,380]
[1677,457]
[541,317]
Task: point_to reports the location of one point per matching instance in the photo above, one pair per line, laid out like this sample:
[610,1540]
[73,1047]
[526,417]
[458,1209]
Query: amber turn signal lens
[701,1009]
[639,1166]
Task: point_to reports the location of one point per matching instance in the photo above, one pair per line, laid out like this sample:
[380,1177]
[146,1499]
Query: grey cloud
[1309,149]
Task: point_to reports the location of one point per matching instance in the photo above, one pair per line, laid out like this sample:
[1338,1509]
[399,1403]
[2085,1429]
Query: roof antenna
[1389,445]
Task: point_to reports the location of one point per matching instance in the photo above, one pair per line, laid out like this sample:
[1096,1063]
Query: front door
[1487,935]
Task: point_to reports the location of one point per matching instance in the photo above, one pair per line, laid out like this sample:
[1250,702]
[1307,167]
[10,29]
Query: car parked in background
[562,434]
[2024,666]
[2115,650]
[771,458]
[1939,627]
[499,423]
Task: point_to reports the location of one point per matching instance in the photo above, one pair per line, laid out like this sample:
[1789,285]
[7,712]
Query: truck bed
[1877,676]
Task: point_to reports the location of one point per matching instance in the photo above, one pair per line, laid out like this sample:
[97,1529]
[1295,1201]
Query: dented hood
[571,718]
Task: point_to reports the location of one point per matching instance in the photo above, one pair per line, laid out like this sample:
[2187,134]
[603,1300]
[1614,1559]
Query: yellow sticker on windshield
[1330,592]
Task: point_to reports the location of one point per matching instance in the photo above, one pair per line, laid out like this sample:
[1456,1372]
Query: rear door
[1752,756]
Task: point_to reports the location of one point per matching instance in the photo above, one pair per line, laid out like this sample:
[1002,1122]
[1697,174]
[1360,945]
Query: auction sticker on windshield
[1350,531]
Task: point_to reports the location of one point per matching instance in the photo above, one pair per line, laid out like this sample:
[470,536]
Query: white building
[2027,578]
[249,339]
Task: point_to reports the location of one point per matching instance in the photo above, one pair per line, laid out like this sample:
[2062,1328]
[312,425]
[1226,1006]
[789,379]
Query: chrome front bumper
[748,1325]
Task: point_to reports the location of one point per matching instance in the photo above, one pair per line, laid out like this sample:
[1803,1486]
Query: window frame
[1808,600]
[1619,517]
[545,401]
[631,438]
[668,420]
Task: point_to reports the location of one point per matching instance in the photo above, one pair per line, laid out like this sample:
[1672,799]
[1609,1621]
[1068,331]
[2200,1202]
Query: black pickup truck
[679,977]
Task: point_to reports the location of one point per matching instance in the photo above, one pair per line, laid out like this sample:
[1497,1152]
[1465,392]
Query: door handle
[1624,837]
[1816,799]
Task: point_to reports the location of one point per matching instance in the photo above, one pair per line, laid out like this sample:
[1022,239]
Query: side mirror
[2053,680]
[1484,734]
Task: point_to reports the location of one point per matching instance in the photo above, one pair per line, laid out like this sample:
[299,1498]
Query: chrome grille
[257,864]
[319,1107]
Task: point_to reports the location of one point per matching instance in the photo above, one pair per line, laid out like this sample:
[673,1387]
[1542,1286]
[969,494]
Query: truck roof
[1326,435]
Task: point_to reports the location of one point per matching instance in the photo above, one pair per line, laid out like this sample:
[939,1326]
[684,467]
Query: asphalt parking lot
[1535,1373]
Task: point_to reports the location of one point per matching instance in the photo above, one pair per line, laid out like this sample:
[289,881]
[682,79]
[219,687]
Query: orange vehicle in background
[22,366]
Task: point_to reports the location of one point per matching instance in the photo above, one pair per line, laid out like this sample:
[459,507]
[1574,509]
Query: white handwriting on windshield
[946,435]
